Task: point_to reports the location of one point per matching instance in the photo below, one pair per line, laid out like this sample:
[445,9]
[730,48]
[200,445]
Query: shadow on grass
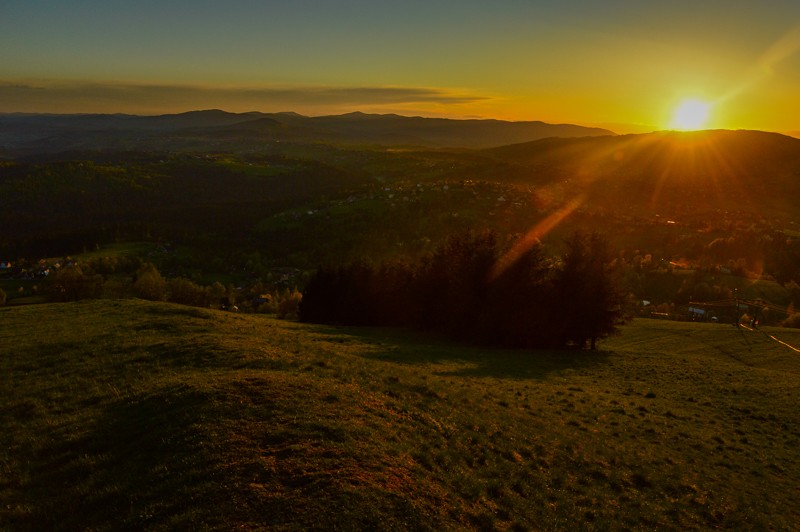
[142,466]
[529,364]
[179,310]
[402,346]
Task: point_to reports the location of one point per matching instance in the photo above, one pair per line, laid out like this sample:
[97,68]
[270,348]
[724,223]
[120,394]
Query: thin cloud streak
[83,97]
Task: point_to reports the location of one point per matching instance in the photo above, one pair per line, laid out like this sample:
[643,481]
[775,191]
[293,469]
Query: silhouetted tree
[392,290]
[320,296]
[589,297]
[454,282]
[469,289]
[519,313]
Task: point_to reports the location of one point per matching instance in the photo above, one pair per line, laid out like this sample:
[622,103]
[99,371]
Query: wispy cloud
[60,96]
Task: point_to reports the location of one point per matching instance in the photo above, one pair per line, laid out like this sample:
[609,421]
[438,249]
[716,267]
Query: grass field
[131,415]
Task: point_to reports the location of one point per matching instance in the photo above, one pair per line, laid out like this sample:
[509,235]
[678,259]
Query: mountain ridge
[51,133]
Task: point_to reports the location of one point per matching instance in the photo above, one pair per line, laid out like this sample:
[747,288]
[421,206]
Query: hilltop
[130,414]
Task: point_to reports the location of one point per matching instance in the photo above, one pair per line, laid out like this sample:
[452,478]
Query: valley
[719,204]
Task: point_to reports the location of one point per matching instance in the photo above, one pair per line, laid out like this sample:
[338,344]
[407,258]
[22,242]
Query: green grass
[22,291]
[137,415]
[120,249]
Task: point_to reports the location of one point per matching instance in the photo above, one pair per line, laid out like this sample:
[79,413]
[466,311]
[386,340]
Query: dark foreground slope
[134,415]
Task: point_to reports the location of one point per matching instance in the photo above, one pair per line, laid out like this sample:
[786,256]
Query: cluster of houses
[503,196]
[37,271]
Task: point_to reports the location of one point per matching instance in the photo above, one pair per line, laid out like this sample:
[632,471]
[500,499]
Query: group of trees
[473,288]
[122,277]
[125,278]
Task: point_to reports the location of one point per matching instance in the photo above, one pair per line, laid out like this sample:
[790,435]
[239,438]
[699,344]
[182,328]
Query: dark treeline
[129,276]
[474,289]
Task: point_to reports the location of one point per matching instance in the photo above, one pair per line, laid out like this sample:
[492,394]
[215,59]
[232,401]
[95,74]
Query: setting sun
[691,115]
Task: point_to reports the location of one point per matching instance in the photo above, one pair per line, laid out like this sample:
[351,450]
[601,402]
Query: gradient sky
[608,62]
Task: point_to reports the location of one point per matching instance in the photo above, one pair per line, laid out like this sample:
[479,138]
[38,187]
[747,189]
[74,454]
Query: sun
[691,115]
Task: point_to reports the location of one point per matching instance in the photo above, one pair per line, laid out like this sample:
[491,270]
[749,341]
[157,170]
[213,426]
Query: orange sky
[617,63]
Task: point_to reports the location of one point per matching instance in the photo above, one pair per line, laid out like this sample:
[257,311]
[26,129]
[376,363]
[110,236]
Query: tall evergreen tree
[588,294]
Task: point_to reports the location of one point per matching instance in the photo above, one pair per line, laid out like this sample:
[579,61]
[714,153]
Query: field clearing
[121,249]
[138,415]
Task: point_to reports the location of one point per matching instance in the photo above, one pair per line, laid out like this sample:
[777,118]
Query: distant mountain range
[42,133]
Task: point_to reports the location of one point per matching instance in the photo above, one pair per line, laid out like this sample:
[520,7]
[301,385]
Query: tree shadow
[455,359]
[531,364]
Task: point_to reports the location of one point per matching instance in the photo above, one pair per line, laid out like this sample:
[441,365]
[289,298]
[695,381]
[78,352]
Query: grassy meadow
[132,415]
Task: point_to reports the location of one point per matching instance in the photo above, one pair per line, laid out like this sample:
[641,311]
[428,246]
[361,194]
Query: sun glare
[690,115]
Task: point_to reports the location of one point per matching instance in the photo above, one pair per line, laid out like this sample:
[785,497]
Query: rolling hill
[135,415]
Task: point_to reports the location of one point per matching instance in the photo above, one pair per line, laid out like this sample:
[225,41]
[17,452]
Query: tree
[347,295]
[588,295]
[289,303]
[454,281]
[519,313]
[3,297]
[319,297]
[72,283]
[187,292]
[794,294]
[150,284]
[216,292]
[468,289]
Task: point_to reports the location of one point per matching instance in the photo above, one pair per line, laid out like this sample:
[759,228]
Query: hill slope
[128,414]
[669,172]
[666,194]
